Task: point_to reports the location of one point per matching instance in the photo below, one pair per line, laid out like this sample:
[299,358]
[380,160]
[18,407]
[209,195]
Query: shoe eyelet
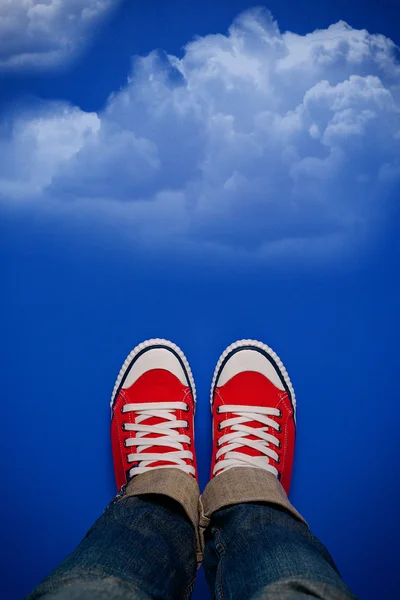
[278,461]
[280,429]
[187,426]
[219,427]
[187,408]
[217,410]
[122,409]
[123,426]
[280,414]
[279,446]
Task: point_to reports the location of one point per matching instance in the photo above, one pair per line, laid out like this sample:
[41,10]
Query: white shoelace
[167,436]
[237,438]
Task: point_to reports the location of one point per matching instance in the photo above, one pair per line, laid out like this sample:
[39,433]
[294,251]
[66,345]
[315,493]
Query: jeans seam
[186,593]
[221,588]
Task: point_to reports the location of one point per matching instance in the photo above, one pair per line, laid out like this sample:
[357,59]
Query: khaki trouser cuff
[243,484]
[176,484]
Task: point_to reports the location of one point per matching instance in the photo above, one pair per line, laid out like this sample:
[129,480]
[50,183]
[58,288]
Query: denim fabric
[175,484]
[144,548]
[254,551]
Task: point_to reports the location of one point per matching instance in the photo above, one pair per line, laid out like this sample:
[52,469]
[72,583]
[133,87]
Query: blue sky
[241,183]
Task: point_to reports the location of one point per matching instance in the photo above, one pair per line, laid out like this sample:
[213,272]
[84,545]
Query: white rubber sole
[148,344]
[267,350]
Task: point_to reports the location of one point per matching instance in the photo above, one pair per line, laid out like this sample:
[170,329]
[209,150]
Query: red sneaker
[254,411]
[153,405]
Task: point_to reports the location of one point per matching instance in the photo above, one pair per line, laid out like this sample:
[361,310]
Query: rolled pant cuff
[176,484]
[243,484]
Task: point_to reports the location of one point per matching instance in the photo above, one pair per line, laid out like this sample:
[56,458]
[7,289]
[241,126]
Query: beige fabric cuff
[243,484]
[176,484]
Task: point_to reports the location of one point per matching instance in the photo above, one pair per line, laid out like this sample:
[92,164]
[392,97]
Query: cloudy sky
[203,172]
[252,140]
[45,34]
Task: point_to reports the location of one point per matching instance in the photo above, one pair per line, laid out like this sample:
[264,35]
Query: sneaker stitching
[120,437]
[186,393]
[286,403]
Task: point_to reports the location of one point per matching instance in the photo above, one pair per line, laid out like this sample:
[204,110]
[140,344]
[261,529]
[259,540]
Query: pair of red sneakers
[153,404]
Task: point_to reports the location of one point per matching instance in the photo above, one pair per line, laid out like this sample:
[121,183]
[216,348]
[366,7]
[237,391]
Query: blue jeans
[144,548]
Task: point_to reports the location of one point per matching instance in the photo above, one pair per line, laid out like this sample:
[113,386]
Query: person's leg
[142,547]
[258,547]
[256,544]
[146,543]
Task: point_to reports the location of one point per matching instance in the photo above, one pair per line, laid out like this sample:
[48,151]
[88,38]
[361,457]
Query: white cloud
[46,33]
[37,145]
[254,140]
